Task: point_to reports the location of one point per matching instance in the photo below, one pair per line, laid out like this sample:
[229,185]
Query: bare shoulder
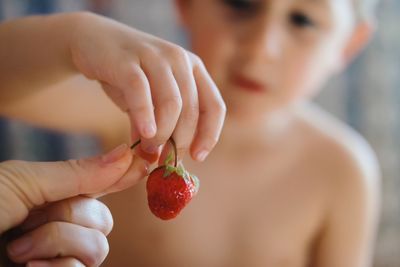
[347,158]
[350,172]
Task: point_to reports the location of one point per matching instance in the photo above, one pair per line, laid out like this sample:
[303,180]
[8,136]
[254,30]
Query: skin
[287,185]
[152,90]
[164,89]
[51,207]
[277,205]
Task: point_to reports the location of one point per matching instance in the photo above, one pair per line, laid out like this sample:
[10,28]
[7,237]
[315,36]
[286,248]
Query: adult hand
[52,205]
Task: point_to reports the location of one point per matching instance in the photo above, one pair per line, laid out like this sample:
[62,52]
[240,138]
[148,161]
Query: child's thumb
[30,184]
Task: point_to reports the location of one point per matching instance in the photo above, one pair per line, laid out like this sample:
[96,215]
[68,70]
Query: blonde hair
[365,9]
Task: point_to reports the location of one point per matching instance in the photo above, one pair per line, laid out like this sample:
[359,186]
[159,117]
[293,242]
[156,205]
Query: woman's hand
[51,206]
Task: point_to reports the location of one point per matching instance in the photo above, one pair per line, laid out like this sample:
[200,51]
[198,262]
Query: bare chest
[244,215]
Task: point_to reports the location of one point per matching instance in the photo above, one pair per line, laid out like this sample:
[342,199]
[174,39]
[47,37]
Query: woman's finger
[60,239]
[59,262]
[31,184]
[83,211]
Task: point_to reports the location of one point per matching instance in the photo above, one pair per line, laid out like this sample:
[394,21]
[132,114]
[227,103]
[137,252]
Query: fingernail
[114,154]
[20,246]
[149,130]
[201,156]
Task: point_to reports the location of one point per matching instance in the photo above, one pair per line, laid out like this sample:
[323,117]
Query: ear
[358,40]
[182,7]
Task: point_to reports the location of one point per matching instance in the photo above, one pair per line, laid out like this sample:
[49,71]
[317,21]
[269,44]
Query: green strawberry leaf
[169,170]
[180,170]
[196,182]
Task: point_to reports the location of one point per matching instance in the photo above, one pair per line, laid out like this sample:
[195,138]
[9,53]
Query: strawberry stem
[135,144]
[175,152]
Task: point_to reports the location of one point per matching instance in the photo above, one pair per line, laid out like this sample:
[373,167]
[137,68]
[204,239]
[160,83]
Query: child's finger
[58,262]
[212,114]
[137,94]
[167,103]
[83,211]
[186,127]
[60,239]
[118,97]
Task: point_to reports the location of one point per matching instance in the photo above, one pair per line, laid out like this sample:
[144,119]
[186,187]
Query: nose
[263,40]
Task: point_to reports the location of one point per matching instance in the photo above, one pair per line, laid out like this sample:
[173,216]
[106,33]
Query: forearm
[34,53]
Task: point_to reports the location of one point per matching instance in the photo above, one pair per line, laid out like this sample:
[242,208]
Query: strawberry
[170,188]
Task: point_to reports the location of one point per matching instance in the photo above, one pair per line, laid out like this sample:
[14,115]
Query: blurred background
[367,97]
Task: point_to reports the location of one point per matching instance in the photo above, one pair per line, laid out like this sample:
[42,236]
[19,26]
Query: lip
[248,84]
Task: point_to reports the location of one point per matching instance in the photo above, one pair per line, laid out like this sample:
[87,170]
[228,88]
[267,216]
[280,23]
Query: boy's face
[266,54]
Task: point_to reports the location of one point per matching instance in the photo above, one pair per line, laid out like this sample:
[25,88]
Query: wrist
[70,23]
[67,28]
[80,40]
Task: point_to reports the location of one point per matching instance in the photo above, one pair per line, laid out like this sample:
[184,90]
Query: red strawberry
[169,189]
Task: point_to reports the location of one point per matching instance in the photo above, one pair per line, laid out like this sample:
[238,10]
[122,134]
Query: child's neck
[261,129]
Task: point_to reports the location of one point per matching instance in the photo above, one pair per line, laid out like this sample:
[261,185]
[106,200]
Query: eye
[242,6]
[301,20]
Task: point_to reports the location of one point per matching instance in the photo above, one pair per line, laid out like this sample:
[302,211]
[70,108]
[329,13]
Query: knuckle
[133,75]
[148,52]
[195,59]
[218,107]
[172,104]
[15,176]
[67,209]
[190,113]
[96,214]
[99,250]
[139,111]
[54,235]
[107,221]
[77,168]
[174,51]
[182,149]
[180,153]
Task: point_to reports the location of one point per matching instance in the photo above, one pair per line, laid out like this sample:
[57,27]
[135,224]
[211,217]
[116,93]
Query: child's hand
[165,89]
